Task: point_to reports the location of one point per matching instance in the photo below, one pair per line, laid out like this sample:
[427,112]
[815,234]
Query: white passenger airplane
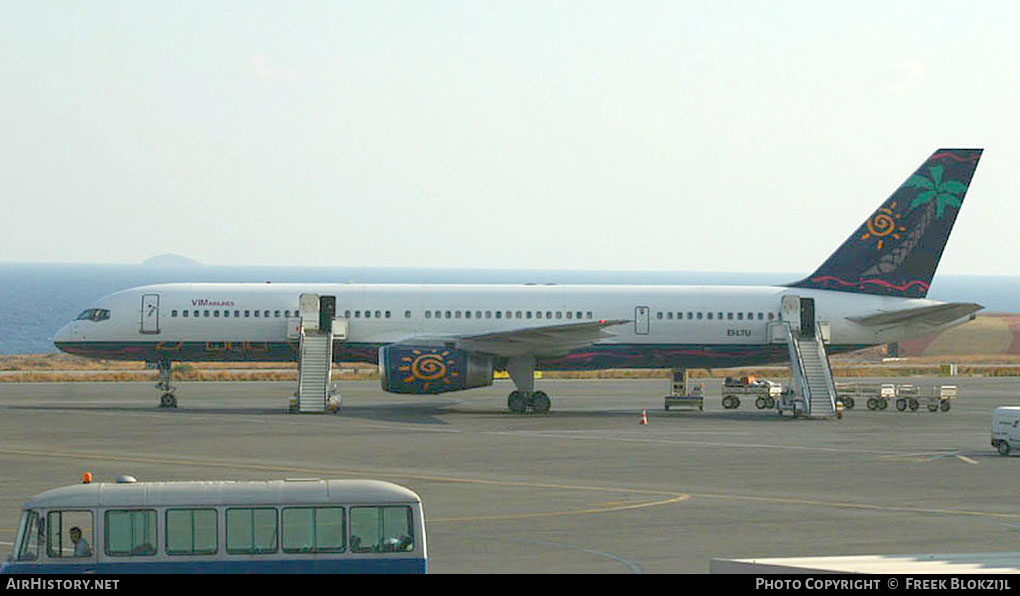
[436,338]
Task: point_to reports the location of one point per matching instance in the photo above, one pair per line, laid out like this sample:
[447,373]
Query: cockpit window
[94,314]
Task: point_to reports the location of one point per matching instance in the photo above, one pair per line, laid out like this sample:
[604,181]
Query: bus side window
[251,531]
[312,529]
[191,532]
[69,534]
[130,532]
[381,529]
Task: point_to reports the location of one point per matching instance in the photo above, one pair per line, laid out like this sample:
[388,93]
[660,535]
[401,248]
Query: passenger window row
[477,314]
[237,314]
[260,530]
[509,314]
[379,314]
[720,316]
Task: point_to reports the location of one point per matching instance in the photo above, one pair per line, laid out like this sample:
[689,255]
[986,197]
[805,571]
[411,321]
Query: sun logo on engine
[428,368]
[883,225]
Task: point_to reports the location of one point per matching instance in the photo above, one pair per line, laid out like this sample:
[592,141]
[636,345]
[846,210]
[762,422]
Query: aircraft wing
[548,340]
[936,315]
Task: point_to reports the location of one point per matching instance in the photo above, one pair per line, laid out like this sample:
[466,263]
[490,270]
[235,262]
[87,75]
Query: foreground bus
[286,526]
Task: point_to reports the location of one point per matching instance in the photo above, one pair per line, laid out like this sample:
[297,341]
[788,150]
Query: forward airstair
[315,364]
[318,328]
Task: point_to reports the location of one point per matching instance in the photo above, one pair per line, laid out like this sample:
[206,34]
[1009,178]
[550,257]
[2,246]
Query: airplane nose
[64,334]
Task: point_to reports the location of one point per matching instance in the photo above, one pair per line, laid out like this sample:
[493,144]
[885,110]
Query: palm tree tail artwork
[896,250]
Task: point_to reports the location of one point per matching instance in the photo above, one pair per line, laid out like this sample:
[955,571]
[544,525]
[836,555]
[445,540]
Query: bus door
[641,320]
[150,313]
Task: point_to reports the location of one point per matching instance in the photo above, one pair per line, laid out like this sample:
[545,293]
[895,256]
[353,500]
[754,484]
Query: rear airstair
[815,391]
[812,374]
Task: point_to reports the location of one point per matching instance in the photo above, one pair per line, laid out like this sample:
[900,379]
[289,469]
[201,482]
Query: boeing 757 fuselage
[870,291]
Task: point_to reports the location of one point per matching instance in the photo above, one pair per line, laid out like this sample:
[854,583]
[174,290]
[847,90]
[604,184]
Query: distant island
[171,261]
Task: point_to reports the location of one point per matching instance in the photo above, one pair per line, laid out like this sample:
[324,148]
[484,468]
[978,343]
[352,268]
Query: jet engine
[421,369]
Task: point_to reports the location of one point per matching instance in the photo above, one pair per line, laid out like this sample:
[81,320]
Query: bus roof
[210,493]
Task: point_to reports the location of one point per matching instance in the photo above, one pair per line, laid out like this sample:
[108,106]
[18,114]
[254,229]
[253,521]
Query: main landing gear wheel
[520,401]
[517,403]
[540,403]
[524,398]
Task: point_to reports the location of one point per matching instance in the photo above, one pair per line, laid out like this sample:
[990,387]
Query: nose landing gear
[167,399]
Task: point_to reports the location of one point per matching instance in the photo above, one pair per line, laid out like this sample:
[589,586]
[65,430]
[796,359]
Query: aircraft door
[327,310]
[641,320]
[807,317]
[150,313]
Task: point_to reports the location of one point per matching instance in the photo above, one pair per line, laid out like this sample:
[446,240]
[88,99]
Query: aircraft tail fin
[896,250]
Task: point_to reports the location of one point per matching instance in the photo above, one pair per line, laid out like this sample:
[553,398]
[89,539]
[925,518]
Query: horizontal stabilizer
[940,314]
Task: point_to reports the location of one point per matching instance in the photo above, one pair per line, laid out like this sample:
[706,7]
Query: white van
[1006,429]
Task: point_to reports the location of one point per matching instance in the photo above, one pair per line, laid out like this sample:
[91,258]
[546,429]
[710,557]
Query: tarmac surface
[584,489]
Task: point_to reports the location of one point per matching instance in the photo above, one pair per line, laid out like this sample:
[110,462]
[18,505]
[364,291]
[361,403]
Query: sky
[640,135]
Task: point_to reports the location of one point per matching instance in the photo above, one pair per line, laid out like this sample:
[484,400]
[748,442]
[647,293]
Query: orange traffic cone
[644,417]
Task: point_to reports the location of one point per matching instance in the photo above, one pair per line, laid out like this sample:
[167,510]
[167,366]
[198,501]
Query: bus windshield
[26,546]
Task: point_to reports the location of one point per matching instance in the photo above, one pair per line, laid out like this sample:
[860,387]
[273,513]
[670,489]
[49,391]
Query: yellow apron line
[347,472]
[676,499]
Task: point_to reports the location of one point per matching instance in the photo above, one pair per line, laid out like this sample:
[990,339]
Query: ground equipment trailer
[765,393]
[874,395]
[911,396]
[905,395]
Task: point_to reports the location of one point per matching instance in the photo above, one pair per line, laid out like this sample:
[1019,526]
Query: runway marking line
[929,456]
